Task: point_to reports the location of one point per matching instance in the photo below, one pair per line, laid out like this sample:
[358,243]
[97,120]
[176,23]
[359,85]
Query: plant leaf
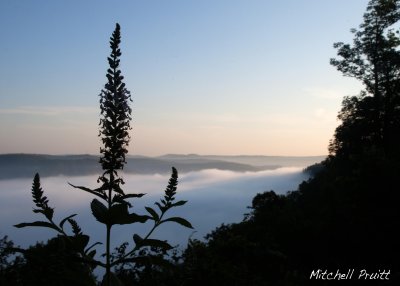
[153,213]
[37,223]
[133,218]
[99,211]
[156,243]
[119,215]
[118,199]
[179,220]
[179,203]
[128,196]
[93,245]
[96,192]
[159,206]
[92,253]
[118,190]
[65,219]
[137,239]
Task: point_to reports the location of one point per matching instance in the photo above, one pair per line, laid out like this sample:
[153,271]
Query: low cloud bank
[214,197]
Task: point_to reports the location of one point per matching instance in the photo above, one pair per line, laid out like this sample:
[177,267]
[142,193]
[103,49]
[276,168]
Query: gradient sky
[207,77]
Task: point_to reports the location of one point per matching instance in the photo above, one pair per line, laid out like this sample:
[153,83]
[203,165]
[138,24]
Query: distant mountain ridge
[254,160]
[14,166]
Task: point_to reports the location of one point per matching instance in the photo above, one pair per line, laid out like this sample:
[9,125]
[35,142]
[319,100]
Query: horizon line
[163,155]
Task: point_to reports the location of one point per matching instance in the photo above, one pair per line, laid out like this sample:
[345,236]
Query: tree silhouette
[371,119]
[9,262]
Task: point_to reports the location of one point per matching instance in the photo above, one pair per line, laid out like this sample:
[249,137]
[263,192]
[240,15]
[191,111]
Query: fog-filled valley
[215,195]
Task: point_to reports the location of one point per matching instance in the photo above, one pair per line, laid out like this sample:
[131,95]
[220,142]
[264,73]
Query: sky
[223,77]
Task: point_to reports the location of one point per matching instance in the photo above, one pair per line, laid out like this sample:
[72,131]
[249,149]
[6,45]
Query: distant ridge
[254,160]
[14,166]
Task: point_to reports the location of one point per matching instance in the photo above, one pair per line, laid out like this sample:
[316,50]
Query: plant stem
[108,262]
[156,224]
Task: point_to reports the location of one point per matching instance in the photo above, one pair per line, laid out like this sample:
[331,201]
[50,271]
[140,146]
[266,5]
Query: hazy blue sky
[207,77]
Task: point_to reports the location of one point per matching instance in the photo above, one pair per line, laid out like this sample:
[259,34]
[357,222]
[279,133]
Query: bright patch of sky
[207,77]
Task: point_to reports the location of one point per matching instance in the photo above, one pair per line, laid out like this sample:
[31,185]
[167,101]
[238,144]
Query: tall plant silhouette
[114,133]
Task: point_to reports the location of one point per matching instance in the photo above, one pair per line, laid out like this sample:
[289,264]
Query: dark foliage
[9,263]
[53,263]
[371,120]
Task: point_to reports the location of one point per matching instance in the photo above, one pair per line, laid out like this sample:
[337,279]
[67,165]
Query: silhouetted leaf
[133,218]
[118,199]
[93,245]
[65,219]
[160,206]
[128,196]
[92,253]
[137,239]
[99,211]
[119,215]
[179,203]
[179,220]
[37,223]
[118,190]
[156,243]
[153,213]
[96,192]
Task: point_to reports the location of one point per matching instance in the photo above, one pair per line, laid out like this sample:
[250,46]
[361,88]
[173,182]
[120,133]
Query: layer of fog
[214,197]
